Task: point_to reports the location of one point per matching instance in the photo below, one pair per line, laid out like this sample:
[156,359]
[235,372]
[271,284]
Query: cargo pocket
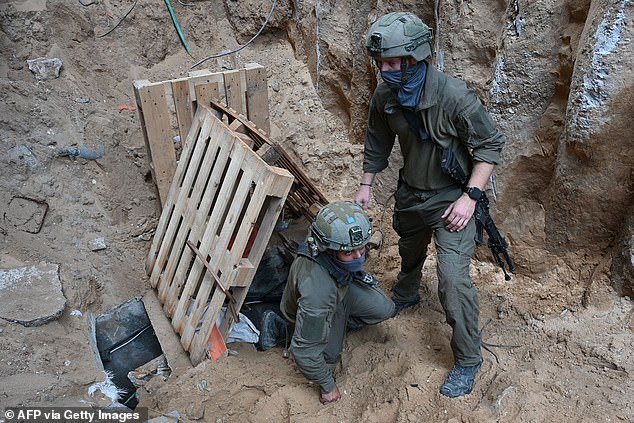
[407,220]
[403,209]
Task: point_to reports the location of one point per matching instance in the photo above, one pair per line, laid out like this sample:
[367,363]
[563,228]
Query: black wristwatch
[474,193]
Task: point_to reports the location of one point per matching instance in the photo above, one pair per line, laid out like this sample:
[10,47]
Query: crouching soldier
[328,291]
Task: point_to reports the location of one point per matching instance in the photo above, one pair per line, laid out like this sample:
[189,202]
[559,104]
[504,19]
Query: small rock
[45,69]
[98,244]
[195,411]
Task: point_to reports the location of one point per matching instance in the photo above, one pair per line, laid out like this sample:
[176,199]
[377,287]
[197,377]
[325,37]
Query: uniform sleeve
[379,140]
[478,131]
[317,302]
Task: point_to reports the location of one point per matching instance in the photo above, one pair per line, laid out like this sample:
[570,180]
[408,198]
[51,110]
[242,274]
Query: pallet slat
[184,106]
[257,99]
[155,116]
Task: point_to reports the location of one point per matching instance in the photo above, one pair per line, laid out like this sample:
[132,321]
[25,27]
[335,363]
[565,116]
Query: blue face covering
[355,265]
[408,93]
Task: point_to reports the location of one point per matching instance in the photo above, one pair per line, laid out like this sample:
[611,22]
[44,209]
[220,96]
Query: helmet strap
[403,71]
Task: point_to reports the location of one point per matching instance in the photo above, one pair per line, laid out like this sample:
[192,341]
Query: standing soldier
[442,128]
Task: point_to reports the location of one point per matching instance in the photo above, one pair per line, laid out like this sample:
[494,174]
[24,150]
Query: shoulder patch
[313,327]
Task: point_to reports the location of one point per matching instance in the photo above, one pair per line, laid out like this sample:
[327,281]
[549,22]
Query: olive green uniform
[320,310]
[453,117]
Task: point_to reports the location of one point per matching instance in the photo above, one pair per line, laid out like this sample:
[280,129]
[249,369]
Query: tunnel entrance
[125,341]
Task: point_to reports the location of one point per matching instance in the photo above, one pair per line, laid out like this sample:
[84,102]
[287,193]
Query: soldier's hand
[331,396]
[363,196]
[457,215]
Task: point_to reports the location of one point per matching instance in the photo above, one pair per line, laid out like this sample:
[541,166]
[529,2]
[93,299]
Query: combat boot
[400,305]
[460,380]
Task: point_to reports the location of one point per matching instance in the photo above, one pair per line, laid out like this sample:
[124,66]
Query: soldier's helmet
[341,226]
[399,34]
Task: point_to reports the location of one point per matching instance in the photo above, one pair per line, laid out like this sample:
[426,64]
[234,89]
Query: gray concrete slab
[31,295]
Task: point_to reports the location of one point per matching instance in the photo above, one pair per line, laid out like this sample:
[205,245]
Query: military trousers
[362,305]
[417,220]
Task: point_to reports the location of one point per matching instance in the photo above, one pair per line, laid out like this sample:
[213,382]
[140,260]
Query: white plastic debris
[242,331]
[107,388]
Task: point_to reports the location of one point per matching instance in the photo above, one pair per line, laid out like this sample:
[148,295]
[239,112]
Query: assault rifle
[483,219]
[497,243]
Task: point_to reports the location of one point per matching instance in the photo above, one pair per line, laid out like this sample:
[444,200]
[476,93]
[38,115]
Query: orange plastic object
[216,346]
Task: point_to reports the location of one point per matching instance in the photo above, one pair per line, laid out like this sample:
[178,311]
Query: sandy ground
[559,346]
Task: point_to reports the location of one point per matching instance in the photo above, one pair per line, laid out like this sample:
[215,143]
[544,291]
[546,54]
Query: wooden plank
[184,105]
[170,344]
[245,139]
[236,126]
[199,73]
[269,153]
[234,91]
[257,96]
[209,79]
[206,92]
[213,86]
[152,100]
[218,282]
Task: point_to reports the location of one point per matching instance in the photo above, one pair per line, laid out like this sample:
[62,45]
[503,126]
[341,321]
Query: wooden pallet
[166,110]
[304,198]
[222,205]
